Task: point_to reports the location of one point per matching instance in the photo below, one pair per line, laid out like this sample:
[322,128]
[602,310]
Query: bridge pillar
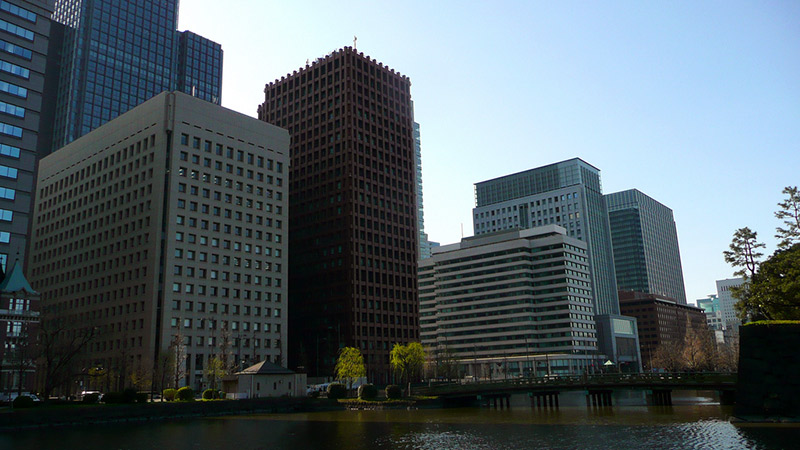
[599,398]
[662,397]
[727,397]
[544,400]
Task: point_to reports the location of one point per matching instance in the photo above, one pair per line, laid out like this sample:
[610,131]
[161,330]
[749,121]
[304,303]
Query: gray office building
[165,232]
[567,194]
[24,36]
[645,241]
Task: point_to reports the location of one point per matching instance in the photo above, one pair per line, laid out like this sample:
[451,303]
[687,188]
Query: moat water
[694,422]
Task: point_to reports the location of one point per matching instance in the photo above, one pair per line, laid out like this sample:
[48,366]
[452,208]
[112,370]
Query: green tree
[744,252]
[407,361]
[214,371]
[350,365]
[790,214]
[773,292]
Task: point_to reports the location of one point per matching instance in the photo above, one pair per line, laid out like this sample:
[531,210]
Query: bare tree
[58,346]
[178,350]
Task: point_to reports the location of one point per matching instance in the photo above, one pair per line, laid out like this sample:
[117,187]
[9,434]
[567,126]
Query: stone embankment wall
[769,370]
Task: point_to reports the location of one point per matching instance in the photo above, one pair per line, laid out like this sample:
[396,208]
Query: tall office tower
[353,218]
[424,245]
[165,232]
[567,194]
[24,35]
[199,67]
[509,303]
[115,55]
[727,302]
[645,241]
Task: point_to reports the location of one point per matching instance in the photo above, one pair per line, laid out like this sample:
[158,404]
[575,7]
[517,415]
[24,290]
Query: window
[10,151]
[10,28]
[10,130]
[14,69]
[6,215]
[23,13]
[13,89]
[13,49]
[8,172]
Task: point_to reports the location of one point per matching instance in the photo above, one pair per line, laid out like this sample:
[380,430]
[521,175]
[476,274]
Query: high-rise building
[115,55]
[164,231]
[645,241]
[568,194]
[424,245]
[199,67]
[353,209]
[727,302]
[24,36]
[510,303]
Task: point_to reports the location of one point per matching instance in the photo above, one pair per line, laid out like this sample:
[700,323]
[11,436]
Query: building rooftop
[265,368]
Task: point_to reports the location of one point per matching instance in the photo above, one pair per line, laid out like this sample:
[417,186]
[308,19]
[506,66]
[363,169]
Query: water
[695,424]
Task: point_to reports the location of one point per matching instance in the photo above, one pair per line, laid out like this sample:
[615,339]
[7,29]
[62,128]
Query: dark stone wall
[769,370]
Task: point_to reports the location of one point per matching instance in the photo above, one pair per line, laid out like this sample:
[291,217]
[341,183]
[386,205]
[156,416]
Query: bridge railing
[594,381]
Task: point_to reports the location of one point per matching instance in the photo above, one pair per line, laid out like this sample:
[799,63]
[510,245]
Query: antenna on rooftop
[355,39]
[462,230]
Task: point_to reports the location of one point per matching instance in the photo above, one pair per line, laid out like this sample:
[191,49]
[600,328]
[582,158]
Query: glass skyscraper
[568,194]
[24,35]
[115,55]
[645,240]
[199,67]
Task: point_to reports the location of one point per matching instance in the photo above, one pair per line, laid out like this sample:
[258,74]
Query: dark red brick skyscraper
[352,212]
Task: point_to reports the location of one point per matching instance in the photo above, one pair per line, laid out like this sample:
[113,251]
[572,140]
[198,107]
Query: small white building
[265,379]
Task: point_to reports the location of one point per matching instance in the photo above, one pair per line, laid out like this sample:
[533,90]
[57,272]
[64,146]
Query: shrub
[367,392]
[141,397]
[91,398]
[210,394]
[337,390]
[185,394]
[23,401]
[113,398]
[169,394]
[393,391]
[314,394]
[129,395]
[221,395]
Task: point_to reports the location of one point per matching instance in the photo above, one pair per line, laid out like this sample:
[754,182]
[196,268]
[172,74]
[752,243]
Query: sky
[694,103]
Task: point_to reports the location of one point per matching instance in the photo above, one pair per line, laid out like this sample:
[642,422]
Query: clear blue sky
[695,103]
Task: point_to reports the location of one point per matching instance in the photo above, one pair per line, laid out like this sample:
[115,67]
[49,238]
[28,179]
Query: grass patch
[767,323]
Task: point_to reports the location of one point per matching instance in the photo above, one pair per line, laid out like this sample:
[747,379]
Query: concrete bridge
[544,391]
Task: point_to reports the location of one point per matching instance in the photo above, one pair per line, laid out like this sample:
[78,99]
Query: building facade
[353,209]
[568,194]
[164,233]
[661,321]
[19,324]
[199,67]
[113,55]
[515,303]
[24,38]
[645,242]
[727,304]
[710,305]
[424,245]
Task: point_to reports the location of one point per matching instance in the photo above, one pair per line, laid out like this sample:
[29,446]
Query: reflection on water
[697,426]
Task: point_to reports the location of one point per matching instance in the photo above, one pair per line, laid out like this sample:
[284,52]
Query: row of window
[14,69]
[14,49]
[12,110]
[16,30]
[20,12]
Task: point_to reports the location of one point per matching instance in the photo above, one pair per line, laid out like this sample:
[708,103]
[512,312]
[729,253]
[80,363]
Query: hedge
[393,391]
